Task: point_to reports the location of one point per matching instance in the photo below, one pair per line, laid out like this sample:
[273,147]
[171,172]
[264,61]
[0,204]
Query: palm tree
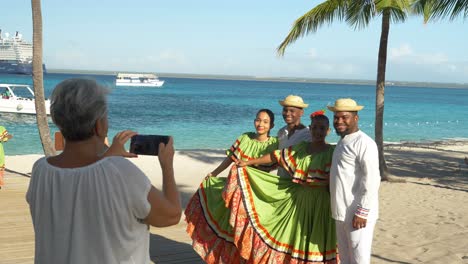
[357,14]
[38,80]
[437,9]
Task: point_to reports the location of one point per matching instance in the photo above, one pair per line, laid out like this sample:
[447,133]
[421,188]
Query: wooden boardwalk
[167,245]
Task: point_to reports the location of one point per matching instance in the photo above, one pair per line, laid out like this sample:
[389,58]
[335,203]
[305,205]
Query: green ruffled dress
[206,214]
[264,218]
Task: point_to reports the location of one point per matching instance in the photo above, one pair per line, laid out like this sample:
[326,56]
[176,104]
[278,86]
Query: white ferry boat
[15,54]
[138,79]
[18,98]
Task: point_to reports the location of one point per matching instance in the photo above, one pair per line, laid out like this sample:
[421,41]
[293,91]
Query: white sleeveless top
[90,214]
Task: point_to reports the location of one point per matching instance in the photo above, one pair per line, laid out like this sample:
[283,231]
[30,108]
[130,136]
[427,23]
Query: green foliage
[356,13]
[439,9]
[324,13]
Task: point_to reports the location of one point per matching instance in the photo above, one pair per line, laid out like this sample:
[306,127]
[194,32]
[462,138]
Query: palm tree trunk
[38,80]
[380,91]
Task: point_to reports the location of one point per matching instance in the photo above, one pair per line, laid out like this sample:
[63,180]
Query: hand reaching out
[242,163]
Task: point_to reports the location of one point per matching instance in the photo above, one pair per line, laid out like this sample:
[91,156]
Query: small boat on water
[138,79]
[18,98]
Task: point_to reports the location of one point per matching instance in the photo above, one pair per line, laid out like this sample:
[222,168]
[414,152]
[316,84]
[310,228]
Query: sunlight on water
[211,114]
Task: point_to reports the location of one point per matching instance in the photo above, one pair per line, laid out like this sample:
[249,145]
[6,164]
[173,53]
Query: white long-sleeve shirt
[298,136]
[355,178]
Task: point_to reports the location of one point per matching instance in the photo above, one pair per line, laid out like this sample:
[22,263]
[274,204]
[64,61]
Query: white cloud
[173,57]
[400,52]
[335,68]
[68,58]
[434,59]
[312,53]
[408,63]
[348,68]
[452,67]
[405,54]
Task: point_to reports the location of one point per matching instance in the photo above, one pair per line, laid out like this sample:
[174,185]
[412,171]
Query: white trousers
[354,245]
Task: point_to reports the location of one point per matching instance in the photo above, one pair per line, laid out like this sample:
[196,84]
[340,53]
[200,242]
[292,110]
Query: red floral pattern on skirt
[248,242]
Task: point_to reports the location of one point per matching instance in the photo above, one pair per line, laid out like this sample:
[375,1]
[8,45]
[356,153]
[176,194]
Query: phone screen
[147,144]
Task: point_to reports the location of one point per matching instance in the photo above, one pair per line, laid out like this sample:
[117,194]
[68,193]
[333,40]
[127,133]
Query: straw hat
[293,100]
[345,105]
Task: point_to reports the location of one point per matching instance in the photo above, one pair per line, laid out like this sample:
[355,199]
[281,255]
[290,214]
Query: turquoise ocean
[211,113]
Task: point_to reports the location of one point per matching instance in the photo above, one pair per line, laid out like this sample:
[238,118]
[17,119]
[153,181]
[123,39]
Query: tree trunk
[38,80]
[380,91]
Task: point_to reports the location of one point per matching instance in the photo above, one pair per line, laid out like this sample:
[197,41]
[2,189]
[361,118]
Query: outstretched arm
[265,159]
[166,208]
[226,163]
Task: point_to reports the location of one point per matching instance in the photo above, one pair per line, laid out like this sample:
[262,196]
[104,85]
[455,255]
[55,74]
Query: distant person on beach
[4,137]
[294,131]
[89,204]
[354,184]
[206,213]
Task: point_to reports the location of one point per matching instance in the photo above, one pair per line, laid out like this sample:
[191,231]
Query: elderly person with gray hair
[89,204]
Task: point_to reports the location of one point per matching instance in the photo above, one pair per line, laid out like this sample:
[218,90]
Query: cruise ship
[15,54]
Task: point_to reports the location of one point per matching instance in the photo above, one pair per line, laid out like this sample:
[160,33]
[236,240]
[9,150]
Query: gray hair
[76,106]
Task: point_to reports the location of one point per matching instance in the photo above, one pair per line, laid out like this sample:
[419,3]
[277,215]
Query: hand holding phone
[117,148]
[166,154]
[147,144]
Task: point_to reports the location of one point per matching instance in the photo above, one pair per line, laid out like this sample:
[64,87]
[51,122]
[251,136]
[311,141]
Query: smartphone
[147,144]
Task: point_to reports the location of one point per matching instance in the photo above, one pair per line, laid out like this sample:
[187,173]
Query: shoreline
[406,161]
[431,144]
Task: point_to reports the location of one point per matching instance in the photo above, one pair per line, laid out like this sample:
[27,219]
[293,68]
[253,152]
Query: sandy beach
[423,215]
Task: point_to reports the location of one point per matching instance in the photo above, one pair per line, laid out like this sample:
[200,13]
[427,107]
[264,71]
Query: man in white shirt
[294,132]
[354,184]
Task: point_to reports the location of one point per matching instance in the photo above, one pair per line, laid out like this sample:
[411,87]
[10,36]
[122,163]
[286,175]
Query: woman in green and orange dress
[271,219]
[206,214]
[281,220]
[4,137]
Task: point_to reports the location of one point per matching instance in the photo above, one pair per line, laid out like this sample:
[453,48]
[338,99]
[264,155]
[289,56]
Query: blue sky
[234,38]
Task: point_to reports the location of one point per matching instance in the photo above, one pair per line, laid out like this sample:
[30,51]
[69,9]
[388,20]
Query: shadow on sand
[210,157]
[444,167]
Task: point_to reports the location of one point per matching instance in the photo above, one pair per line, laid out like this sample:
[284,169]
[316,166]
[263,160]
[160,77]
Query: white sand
[422,220]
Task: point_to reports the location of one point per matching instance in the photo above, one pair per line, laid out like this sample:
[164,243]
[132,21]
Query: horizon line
[270,78]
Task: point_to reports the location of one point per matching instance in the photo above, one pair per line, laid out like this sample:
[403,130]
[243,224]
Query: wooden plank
[16,230]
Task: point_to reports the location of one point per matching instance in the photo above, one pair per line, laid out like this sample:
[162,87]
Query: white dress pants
[354,245]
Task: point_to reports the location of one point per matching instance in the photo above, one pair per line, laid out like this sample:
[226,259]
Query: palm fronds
[438,9]
[325,13]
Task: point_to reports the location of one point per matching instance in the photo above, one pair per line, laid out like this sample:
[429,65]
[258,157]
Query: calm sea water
[210,114]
